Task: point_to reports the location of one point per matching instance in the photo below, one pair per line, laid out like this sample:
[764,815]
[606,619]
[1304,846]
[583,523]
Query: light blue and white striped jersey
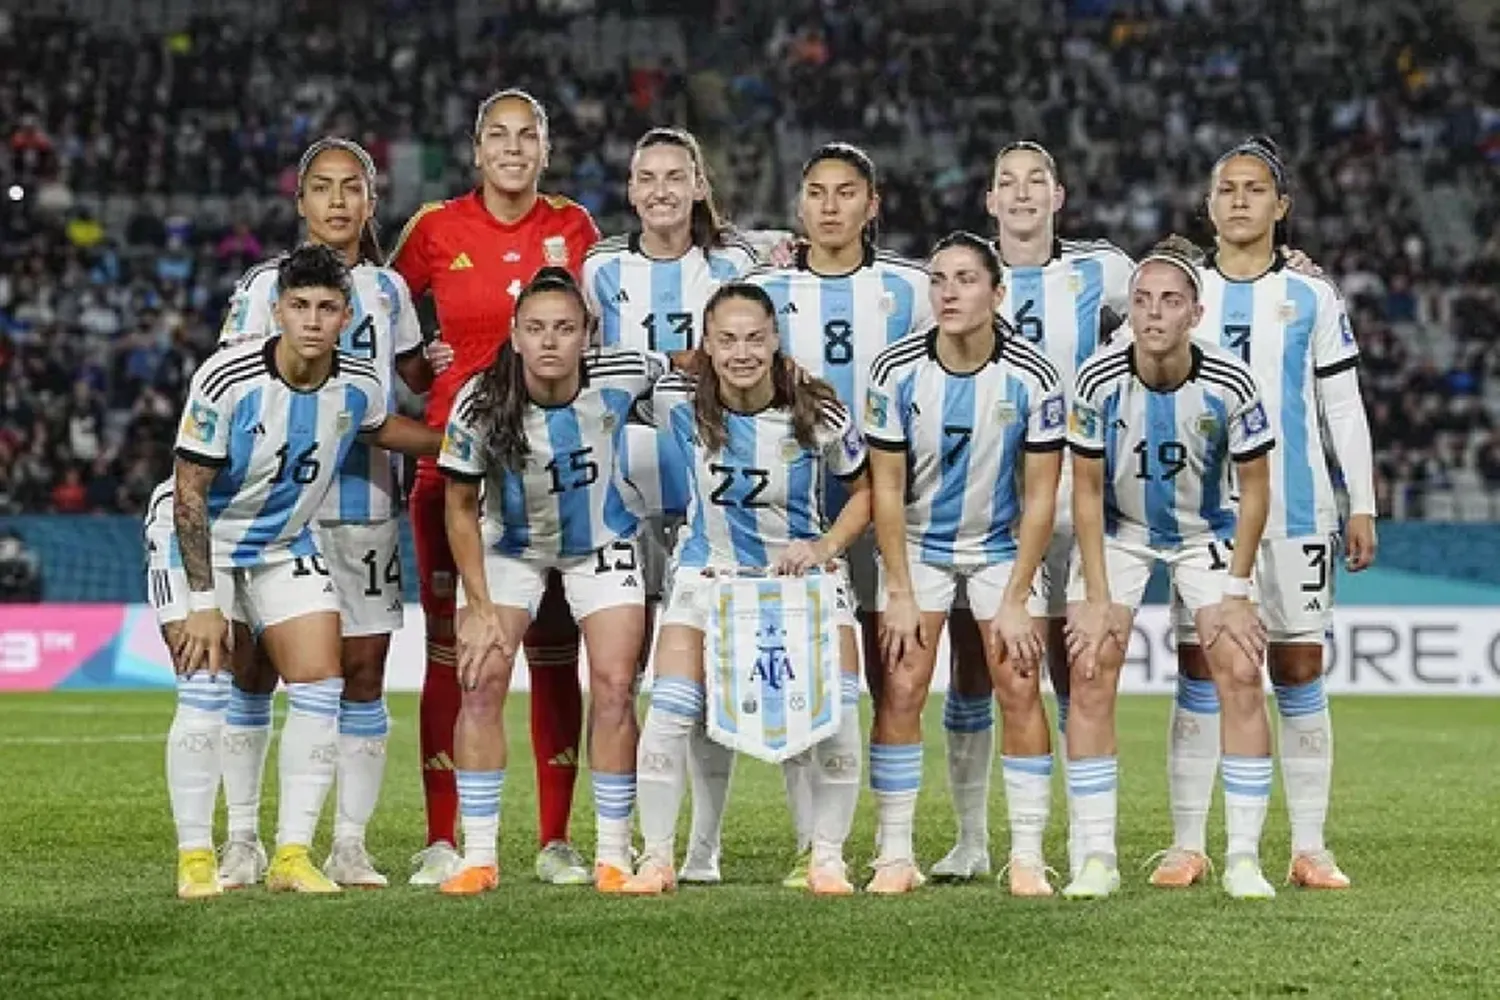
[384,327]
[277,448]
[1166,454]
[1292,330]
[1069,305]
[651,304]
[761,491]
[567,501]
[964,437]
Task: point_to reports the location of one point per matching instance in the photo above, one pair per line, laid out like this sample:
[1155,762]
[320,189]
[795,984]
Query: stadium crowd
[104,315]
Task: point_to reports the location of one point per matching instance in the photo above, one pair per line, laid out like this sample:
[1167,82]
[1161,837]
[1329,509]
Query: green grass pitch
[87,910]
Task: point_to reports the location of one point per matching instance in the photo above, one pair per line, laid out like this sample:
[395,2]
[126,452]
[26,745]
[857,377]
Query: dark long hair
[857,158]
[498,406]
[805,397]
[708,226]
[988,256]
[369,233]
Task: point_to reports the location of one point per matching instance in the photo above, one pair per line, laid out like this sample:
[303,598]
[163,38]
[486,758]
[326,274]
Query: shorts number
[308,565]
[623,559]
[371,560]
[1237,338]
[582,471]
[955,440]
[1219,563]
[305,467]
[362,340]
[1317,559]
[1029,324]
[759,480]
[680,325]
[838,342]
[1171,456]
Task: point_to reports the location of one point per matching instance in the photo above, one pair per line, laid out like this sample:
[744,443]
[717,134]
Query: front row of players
[966,423]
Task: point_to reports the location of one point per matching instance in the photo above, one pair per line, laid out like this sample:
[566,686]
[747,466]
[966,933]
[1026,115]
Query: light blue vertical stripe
[803,520]
[1005,503]
[836,306]
[780,291]
[740,452]
[231,478]
[898,321]
[947,510]
[617,517]
[564,439]
[721,268]
[516,538]
[1086,308]
[773,663]
[276,511]
[1029,287]
[666,300]
[606,287]
[1161,493]
[695,551]
[354,467]
[1238,310]
[1109,413]
[1215,467]
[1297,459]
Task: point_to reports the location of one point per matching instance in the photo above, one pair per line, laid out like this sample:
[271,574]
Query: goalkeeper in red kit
[474,254]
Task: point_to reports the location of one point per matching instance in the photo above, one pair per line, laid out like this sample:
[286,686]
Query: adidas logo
[568,758]
[328,587]
[1313,605]
[621,296]
[790,309]
[630,582]
[259,428]
[438,762]
[461,263]
[393,607]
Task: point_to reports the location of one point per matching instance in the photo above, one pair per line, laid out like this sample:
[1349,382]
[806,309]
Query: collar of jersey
[932,352]
[633,244]
[1057,252]
[268,353]
[1278,261]
[476,203]
[805,249]
[1193,370]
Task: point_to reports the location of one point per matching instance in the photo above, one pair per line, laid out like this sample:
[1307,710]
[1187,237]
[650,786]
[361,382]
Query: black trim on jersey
[218,382]
[633,244]
[1044,446]
[609,245]
[151,511]
[1222,373]
[1085,450]
[903,351]
[893,259]
[1109,322]
[931,340]
[256,270]
[1328,371]
[460,477]
[1100,369]
[875,442]
[1211,263]
[859,470]
[804,250]
[1055,254]
[198,458]
[1254,453]
[268,355]
[1195,368]
[410,351]
[1032,361]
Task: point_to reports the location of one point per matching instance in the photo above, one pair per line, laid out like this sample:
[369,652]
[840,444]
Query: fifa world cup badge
[791,450]
[555,251]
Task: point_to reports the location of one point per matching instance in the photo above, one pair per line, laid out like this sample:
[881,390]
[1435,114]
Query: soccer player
[757,440]
[475,254]
[266,427]
[961,420]
[1293,331]
[357,527]
[1156,422]
[541,428]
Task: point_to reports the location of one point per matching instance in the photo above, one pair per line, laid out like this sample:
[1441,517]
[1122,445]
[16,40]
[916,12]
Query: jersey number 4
[757,479]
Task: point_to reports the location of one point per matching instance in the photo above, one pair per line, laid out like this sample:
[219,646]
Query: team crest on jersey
[555,251]
[1254,421]
[1005,413]
[1075,282]
[887,303]
[791,450]
[609,422]
[343,422]
[200,422]
[876,408]
[1054,412]
[1083,421]
[1208,425]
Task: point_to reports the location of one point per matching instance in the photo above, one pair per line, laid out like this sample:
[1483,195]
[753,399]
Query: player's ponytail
[707,224]
[807,397]
[370,250]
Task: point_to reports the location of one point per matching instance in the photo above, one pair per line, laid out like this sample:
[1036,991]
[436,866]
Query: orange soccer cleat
[471,881]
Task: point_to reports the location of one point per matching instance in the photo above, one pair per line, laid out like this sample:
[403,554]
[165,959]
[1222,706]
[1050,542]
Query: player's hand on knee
[1089,626]
[1013,632]
[901,629]
[1236,620]
[479,637]
[205,643]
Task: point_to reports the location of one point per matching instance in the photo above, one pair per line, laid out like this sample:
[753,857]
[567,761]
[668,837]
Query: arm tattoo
[190,519]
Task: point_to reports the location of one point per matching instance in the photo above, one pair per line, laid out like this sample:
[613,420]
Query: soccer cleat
[962,864]
[1028,877]
[293,871]
[829,880]
[651,880]
[1243,880]
[894,878]
[1097,878]
[197,877]
[610,878]
[241,863]
[559,863]
[1317,870]
[435,864]
[350,866]
[471,881]
[1180,868]
[701,866]
[797,877]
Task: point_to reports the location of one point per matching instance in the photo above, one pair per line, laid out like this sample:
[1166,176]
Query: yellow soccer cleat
[797,877]
[293,871]
[197,875]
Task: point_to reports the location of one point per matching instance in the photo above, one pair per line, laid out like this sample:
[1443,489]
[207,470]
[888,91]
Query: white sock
[1192,761]
[709,766]
[1247,792]
[309,758]
[835,781]
[479,814]
[1028,802]
[896,778]
[1075,847]
[1094,783]
[1305,745]
[363,728]
[677,706]
[247,737]
[193,758]
[614,797]
[969,724]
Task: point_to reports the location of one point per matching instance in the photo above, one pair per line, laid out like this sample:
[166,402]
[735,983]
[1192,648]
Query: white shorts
[1198,573]
[691,588]
[365,560]
[258,596]
[1294,584]
[937,588]
[609,578]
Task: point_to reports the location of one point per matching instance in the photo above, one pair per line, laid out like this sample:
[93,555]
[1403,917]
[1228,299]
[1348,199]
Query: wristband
[1237,586]
[202,600]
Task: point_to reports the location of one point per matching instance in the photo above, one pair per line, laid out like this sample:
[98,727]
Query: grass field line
[57,741]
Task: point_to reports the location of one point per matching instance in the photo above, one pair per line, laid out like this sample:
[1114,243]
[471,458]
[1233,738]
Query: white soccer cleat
[559,863]
[962,864]
[701,866]
[1097,878]
[1243,880]
[350,866]
[242,863]
[435,864]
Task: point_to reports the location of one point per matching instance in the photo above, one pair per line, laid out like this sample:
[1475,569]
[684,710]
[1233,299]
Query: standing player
[757,442]
[960,421]
[542,428]
[266,427]
[475,254]
[1294,332]
[357,531]
[1155,424]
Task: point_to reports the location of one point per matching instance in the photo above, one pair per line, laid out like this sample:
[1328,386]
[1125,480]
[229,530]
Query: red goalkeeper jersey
[475,266]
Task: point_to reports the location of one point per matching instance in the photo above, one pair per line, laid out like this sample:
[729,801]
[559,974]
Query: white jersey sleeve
[844,453]
[462,455]
[251,314]
[406,327]
[1250,433]
[208,414]
[1333,345]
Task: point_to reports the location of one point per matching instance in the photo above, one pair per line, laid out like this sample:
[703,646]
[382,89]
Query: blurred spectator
[20,571]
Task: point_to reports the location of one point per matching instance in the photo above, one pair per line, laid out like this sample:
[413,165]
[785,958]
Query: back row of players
[834,311]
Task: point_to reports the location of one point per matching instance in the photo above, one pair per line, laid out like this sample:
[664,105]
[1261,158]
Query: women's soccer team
[1002,441]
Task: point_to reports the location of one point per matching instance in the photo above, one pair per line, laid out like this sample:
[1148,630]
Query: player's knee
[1016,694]
[484,704]
[1295,663]
[1093,697]
[611,696]
[903,695]
[364,678]
[1191,661]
